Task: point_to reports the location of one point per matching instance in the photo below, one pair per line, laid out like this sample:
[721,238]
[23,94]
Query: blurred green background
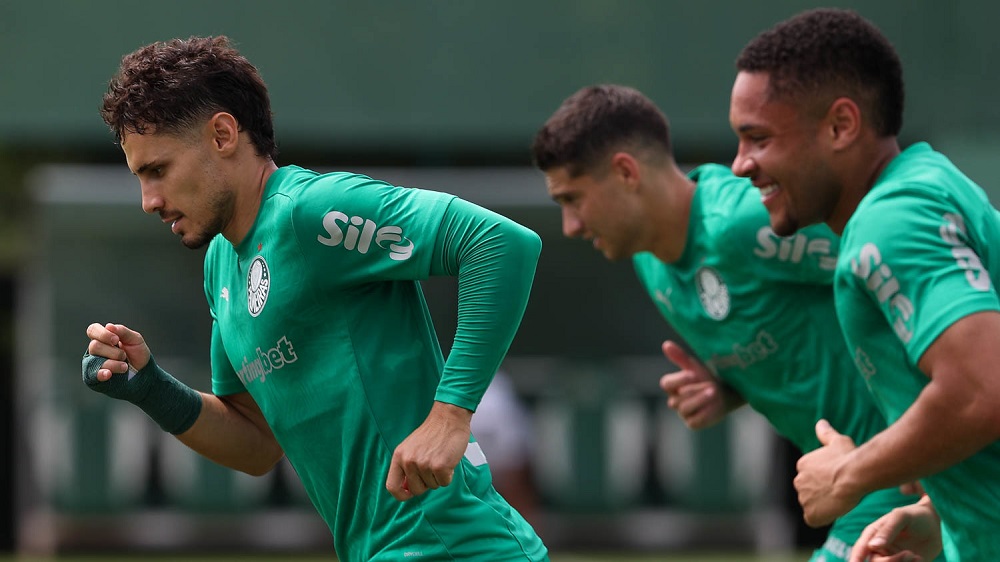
[557,558]
[439,94]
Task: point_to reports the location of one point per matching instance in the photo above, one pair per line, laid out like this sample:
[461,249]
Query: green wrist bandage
[169,402]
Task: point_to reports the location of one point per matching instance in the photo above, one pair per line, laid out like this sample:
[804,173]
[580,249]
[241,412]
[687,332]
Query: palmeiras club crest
[712,292]
[258,286]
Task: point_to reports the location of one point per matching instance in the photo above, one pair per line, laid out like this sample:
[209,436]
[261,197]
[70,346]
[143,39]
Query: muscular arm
[956,415]
[231,431]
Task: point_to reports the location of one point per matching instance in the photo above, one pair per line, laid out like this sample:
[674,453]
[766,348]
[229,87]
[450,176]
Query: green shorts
[833,550]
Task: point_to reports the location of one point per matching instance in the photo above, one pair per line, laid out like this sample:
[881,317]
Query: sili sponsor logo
[882,283]
[357,234]
[794,248]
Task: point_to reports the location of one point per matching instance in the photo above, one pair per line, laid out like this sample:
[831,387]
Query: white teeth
[767,190]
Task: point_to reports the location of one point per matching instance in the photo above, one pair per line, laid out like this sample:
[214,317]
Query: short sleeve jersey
[319,316]
[918,256]
[758,310]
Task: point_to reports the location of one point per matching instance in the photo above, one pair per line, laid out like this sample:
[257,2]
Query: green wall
[433,80]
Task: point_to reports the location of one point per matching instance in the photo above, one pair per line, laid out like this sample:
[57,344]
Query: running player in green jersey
[756,309]
[817,105]
[323,349]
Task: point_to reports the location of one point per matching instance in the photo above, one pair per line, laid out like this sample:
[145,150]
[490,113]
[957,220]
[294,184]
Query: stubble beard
[221,206]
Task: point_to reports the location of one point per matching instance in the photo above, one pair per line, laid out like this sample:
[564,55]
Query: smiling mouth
[768,190]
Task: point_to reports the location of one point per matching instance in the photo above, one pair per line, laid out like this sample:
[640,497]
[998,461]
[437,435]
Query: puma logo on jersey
[880,280]
[794,248]
[664,298]
[357,234]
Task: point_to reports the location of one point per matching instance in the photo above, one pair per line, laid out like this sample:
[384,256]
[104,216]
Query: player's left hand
[427,458]
[821,498]
[910,533]
[693,392]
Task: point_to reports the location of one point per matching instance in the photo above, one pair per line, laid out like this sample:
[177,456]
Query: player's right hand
[427,458]
[120,346]
[693,391]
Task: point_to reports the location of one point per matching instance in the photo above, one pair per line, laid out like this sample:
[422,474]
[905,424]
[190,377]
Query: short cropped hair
[595,121]
[822,54]
[173,85]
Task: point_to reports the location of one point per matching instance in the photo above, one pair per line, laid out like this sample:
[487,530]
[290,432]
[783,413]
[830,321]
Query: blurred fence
[612,465]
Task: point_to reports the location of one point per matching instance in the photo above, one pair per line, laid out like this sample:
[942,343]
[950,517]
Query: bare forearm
[233,436]
[938,431]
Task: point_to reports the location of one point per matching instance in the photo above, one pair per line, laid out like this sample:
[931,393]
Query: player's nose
[743,165]
[571,223]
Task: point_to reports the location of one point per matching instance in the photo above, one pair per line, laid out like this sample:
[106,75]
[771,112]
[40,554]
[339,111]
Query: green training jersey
[758,310]
[318,314]
[916,257]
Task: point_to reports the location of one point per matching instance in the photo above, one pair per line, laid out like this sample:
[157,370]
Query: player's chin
[196,240]
[613,256]
[607,250]
[783,225]
[612,253]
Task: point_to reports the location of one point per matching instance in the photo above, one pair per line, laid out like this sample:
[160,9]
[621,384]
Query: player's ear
[844,122]
[224,132]
[625,167]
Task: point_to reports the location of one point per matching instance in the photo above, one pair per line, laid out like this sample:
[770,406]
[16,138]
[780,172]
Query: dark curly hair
[596,120]
[820,55]
[173,85]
